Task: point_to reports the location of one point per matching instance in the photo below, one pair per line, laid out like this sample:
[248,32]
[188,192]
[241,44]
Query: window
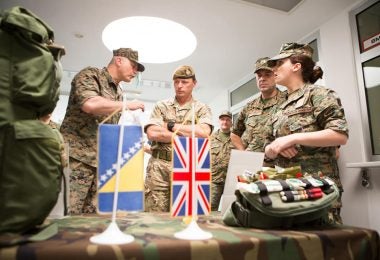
[365,23]
[314,44]
[371,74]
[314,41]
[368,25]
[243,92]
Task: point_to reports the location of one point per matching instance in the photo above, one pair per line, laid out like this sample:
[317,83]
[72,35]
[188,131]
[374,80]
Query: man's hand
[135,104]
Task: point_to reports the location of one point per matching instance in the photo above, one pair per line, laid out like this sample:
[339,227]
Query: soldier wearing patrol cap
[131,55]
[249,129]
[220,156]
[172,116]
[95,94]
[311,122]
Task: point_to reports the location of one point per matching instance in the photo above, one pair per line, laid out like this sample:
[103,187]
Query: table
[154,239]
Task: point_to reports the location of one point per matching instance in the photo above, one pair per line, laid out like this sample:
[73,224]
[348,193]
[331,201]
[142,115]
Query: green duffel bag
[30,151]
[290,203]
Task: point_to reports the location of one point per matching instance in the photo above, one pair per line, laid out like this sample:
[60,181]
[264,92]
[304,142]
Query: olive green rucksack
[30,151]
[258,206]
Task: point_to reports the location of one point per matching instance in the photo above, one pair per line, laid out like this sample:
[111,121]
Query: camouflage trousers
[83,186]
[334,212]
[157,185]
[216,194]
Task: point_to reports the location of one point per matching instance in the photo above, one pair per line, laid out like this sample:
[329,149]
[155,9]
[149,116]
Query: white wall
[219,103]
[60,109]
[360,207]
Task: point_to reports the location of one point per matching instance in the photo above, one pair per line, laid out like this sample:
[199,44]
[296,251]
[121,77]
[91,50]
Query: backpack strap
[65,207]
[308,184]
[284,184]
[265,200]
[326,188]
[287,196]
[241,209]
[44,233]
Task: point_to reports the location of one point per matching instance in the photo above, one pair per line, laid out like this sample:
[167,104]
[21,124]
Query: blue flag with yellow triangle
[131,178]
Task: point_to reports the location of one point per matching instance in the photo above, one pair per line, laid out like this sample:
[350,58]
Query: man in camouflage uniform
[95,94]
[249,129]
[220,156]
[310,124]
[172,116]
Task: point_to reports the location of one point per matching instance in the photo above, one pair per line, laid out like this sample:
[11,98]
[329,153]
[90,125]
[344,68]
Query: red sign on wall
[371,42]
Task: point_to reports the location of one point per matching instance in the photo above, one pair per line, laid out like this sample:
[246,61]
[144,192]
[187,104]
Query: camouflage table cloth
[154,239]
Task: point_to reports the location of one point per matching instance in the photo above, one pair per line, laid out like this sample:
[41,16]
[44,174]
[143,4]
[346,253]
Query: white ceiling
[231,34]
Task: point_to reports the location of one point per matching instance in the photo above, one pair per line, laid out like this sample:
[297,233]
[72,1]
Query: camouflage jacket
[221,146]
[169,109]
[309,109]
[252,120]
[80,129]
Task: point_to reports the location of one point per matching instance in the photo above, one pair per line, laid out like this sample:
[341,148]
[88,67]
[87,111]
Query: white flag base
[193,232]
[112,236]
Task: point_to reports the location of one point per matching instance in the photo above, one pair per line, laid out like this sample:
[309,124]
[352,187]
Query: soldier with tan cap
[95,94]
[220,156]
[172,116]
[249,129]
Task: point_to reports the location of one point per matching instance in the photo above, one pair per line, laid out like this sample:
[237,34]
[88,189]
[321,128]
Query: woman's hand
[283,145]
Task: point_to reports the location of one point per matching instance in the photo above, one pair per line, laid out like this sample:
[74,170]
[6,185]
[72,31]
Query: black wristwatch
[170,125]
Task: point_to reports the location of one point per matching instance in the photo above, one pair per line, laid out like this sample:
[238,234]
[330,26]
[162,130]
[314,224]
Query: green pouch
[268,210]
[30,175]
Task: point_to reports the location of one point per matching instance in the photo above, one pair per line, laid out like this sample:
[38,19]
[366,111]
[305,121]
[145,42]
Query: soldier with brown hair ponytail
[311,123]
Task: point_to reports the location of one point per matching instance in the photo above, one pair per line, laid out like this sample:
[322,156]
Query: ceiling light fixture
[156,39]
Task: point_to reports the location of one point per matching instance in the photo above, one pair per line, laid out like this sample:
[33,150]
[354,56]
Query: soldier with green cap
[172,116]
[95,94]
[221,146]
[310,123]
[249,131]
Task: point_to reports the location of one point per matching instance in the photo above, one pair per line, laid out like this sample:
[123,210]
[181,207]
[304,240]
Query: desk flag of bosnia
[131,178]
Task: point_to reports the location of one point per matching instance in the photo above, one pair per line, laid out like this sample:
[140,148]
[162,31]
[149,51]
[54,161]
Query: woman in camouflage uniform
[310,123]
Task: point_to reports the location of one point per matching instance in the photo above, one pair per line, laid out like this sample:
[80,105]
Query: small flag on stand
[191,156]
[131,178]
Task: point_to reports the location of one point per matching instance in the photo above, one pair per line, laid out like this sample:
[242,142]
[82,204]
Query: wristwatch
[170,125]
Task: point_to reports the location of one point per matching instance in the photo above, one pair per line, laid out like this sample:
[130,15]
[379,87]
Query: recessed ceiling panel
[157,40]
[282,5]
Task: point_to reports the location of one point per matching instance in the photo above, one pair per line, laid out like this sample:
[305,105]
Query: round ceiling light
[156,39]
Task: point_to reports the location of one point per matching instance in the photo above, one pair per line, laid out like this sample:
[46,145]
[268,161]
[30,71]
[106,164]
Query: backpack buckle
[241,213]
[56,50]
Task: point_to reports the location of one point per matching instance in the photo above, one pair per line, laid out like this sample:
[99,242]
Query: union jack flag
[190,156]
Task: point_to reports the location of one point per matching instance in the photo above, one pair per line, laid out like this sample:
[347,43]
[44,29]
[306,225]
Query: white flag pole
[113,235]
[118,164]
[193,187]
